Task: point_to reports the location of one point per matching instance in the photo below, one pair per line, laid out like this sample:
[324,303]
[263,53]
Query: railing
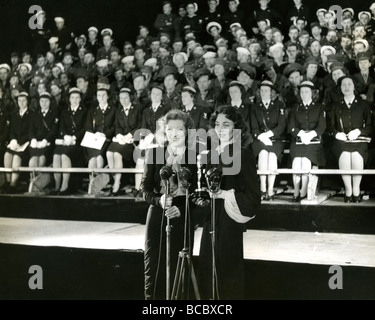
[312,173]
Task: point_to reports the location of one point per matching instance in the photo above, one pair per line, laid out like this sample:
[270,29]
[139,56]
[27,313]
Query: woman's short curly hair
[174,114]
[234,115]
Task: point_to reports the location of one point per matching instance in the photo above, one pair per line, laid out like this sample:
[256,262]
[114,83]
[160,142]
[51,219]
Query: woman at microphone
[236,200]
[162,163]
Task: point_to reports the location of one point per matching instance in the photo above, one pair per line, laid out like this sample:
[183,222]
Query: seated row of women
[105,134]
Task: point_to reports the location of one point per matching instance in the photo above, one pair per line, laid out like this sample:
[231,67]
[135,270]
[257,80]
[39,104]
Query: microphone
[184,176]
[213,177]
[166,172]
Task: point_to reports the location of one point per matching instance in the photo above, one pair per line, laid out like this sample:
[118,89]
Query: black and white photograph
[211,152]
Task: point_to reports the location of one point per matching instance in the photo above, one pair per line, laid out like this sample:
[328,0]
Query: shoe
[263,195]
[296,198]
[271,198]
[357,199]
[135,192]
[66,192]
[347,199]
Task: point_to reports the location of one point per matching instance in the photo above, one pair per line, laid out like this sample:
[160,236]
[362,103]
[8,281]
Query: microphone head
[166,172]
[184,174]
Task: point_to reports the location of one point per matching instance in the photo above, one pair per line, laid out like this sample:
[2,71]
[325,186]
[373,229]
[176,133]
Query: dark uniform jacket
[125,124]
[4,123]
[44,127]
[73,124]
[307,118]
[273,118]
[20,126]
[97,121]
[345,119]
[149,117]
[199,116]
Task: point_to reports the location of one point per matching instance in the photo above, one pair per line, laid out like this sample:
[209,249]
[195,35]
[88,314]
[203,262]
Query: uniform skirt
[24,155]
[126,150]
[277,148]
[341,146]
[74,153]
[93,153]
[313,152]
[47,152]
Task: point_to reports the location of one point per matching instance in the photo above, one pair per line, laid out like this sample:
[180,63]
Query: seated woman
[197,112]
[351,120]
[100,121]
[268,125]
[175,155]
[43,132]
[17,152]
[68,152]
[120,151]
[307,124]
[236,91]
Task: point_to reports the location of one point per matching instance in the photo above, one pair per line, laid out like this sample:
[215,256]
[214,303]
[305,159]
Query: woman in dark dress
[120,151]
[236,90]
[175,155]
[44,129]
[68,152]
[236,202]
[268,123]
[307,124]
[349,122]
[100,121]
[17,152]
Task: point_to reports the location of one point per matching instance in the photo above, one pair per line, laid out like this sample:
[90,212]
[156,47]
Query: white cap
[5,66]
[27,65]
[275,47]
[127,59]
[183,54]
[235,24]
[372,7]
[102,63]
[107,31]
[53,40]
[364,12]
[93,29]
[209,54]
[59,65]
[213,24]
[243,51]
[59,19]
[151,62]
[363,41]
[322,49]
[321,10]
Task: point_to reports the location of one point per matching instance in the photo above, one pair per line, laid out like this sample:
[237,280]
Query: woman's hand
[340,136]
[354,134]
[173,212]
[33,143]
[165,202]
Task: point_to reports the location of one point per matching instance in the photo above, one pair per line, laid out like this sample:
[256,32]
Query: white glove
[42,144]
[128,138]
[354,134]
[33,144]
[340,136]
[166,202]
[13,145]
[267,141]
[68,140]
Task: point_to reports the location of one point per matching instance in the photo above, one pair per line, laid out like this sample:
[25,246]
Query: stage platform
[92,248]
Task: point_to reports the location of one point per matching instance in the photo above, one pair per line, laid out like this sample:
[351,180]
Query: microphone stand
[213,236]
[168,244]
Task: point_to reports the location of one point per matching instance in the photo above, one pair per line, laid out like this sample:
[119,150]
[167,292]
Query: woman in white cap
[351,120]
[68,152]
[120,151]
[43,132]
[196,112]
[268,124]
[17,152]
[307,123]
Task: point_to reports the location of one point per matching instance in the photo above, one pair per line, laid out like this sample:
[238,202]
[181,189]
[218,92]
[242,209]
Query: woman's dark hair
[233,114]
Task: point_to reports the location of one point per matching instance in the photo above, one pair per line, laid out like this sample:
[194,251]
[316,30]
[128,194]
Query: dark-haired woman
[68,152]
[175,155]
[307,124]
[236,201]
[120,151]
[17,152]
[350,121]
[268,126]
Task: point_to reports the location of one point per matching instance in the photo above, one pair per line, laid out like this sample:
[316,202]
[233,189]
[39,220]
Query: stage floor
[282,246]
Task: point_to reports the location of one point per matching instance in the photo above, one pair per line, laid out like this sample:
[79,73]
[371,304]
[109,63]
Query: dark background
[123,16]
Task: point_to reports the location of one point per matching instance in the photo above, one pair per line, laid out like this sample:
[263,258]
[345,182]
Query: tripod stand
[185,261]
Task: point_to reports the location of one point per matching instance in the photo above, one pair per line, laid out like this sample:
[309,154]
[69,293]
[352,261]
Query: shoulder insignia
[282,112]
[204,115]
[56,120]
